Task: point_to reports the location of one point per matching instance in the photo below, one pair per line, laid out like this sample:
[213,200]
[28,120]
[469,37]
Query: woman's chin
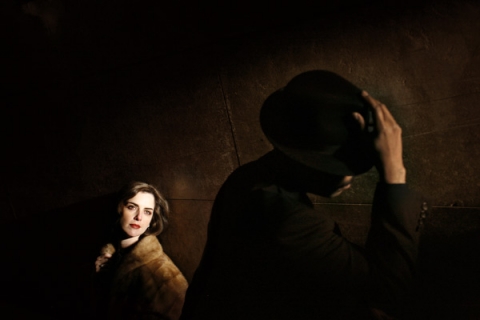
[136,233]
[132,233]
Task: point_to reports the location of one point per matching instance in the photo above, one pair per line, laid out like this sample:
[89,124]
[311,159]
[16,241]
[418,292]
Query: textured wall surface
[99,93]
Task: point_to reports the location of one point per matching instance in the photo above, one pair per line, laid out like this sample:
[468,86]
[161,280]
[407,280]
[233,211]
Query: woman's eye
[130,207]
[148,213]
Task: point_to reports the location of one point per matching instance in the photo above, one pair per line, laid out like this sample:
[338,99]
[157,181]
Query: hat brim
[353,156]
[339,163]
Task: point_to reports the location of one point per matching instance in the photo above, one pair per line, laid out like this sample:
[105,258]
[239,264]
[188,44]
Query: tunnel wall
[96,96]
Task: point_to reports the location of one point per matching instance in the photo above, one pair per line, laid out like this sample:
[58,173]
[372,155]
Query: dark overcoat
[271,255]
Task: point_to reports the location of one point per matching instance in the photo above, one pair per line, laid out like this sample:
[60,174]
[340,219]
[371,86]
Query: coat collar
[144,251]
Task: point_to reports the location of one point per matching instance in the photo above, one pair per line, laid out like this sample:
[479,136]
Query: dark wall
[97,93]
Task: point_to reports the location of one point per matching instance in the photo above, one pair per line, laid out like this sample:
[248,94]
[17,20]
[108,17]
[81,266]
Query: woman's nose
[138,217]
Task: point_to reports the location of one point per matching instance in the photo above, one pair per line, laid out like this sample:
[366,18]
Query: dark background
[97,93]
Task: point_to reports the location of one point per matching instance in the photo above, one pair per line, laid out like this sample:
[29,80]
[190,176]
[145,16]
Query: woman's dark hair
[161,211]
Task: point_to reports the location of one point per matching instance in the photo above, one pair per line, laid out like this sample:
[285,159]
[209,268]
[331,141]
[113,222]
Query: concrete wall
[100,93]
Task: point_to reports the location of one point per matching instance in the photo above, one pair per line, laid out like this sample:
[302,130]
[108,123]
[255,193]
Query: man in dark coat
[270,255]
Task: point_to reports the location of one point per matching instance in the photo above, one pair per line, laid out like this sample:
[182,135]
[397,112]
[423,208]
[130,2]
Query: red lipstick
[135,226]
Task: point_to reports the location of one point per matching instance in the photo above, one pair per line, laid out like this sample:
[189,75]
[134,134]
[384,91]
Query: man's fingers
[376,108]
[381,112]
[371,100]
[360,120]
[387,115]
[388,142]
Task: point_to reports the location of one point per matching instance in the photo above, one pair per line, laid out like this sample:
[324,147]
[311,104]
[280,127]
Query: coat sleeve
[392,245]
[315,248]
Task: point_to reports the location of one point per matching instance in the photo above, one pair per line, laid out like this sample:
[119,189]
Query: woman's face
[137,214]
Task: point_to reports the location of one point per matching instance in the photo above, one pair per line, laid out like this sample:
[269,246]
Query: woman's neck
[125,243]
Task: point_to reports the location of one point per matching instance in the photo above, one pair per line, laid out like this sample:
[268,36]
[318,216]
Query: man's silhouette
[270,255]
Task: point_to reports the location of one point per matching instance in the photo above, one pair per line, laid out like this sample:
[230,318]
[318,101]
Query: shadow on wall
[50,260]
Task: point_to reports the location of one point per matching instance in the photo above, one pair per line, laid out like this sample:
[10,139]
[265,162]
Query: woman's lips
[135,226]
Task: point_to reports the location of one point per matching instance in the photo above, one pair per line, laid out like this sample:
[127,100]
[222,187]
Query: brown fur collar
[145,250]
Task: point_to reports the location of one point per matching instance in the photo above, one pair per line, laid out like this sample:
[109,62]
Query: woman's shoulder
[150,241]
[156,260]
[162,277]
[148,248]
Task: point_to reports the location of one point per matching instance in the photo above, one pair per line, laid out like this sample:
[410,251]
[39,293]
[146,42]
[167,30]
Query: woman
[136,279]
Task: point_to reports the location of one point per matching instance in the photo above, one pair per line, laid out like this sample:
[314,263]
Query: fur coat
[143,283]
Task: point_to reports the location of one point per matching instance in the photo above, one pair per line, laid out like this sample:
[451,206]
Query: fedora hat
[310,120]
